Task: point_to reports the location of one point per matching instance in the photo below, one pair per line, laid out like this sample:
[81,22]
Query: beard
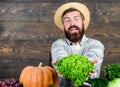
[75,37]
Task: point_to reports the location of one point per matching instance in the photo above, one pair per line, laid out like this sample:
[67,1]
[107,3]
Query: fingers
[94,61]
[91,73]
[53,62]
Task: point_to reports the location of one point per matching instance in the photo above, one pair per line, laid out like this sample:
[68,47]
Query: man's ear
[62,25]
[84,22]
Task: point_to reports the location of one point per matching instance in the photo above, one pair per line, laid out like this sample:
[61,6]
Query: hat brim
[80,7]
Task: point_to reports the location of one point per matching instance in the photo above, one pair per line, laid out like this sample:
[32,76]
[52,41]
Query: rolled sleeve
[96,51]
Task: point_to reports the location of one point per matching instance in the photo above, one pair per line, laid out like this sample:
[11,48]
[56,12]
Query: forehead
[72,13]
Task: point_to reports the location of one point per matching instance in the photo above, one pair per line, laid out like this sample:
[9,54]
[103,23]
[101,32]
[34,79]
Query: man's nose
[72,22]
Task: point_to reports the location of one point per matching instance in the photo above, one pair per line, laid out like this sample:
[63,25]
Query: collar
[81,43]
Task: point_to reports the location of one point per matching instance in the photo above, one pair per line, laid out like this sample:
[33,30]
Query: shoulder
[59,40]
[95,42]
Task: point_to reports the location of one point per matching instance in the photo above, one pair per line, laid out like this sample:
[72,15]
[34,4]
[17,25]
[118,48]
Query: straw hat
[80,7]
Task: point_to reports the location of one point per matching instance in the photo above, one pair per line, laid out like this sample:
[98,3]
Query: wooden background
[27,31]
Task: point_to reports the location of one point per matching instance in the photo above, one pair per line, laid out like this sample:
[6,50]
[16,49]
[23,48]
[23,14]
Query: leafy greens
[112,71]
[75,67]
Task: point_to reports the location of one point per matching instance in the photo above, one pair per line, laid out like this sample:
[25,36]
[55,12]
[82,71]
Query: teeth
[73,28]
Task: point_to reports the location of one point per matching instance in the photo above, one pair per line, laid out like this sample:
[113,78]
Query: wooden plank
[29,31]
[39,12]
[104,31]
[49,32]
[11,68]
[23,46]
[107,13]
[56,1]
[36,12]
[20,54]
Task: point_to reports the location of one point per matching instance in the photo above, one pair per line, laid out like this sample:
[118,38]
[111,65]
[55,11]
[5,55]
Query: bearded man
[73,19]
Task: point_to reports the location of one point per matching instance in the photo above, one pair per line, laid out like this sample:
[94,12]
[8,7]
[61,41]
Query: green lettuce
[75,67]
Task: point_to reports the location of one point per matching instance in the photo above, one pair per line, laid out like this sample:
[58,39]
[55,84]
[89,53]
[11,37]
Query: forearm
[58,52]
[95,54]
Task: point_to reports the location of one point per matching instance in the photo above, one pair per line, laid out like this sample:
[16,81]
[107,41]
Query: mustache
[73,27]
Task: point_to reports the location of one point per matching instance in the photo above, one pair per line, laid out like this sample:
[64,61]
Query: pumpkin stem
[40,64]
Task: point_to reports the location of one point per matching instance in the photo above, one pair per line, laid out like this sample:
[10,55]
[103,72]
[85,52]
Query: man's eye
[67,20]
[76,18]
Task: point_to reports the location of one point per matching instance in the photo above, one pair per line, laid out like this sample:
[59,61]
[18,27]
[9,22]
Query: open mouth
[73,30]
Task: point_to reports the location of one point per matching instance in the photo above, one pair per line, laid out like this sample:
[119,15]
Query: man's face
[73,26]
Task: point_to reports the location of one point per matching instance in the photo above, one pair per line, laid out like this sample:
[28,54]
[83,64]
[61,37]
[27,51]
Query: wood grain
[27,31]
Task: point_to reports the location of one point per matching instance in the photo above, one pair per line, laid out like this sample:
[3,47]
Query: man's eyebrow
[77,16]
[73,17]
[66,17]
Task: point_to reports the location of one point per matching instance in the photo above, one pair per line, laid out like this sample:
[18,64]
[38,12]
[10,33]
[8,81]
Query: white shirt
[91,48]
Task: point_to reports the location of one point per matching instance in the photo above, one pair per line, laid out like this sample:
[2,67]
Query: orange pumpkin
[32,76]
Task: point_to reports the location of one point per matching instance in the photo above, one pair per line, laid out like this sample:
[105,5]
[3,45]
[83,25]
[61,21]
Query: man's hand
[53,62]
[91,72]
[94,61]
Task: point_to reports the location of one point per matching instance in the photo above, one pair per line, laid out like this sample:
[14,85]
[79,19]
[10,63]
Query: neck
[77,42]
